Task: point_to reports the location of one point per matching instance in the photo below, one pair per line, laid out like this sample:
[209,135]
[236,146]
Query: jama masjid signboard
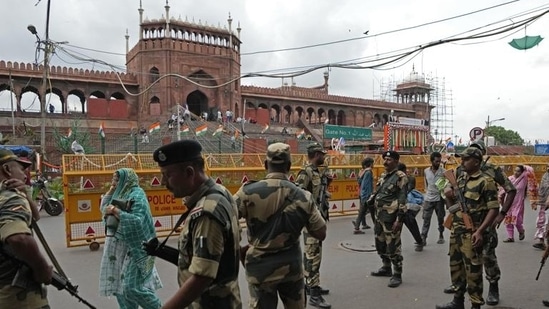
[348,133]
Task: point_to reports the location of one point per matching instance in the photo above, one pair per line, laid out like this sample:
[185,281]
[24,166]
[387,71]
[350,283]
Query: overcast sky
[488,78]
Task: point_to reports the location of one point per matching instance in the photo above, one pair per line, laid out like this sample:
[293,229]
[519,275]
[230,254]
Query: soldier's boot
[493,294]
[456,303]
[450,289]
[317,300]
[475,306]
[383,272]
[323,291]
[395,281]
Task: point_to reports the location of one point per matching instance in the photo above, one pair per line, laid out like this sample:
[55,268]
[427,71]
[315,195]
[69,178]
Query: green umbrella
[526,42]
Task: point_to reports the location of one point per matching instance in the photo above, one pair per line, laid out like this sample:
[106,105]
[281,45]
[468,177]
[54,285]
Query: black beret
[177,152]
[391,154]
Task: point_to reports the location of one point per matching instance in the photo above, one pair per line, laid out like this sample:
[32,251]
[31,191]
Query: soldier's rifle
[543,259]
[59,278]
[23,277]
[322,194]
[461,202]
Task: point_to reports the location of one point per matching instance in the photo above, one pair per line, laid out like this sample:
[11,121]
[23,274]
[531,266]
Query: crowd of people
[277,212]
[490,197]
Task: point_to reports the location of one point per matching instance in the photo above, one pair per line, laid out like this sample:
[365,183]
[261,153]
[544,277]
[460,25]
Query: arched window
[154,74]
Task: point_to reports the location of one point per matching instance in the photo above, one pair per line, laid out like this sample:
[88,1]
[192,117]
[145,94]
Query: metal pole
[488,121]
[45,76]
[178,123]
[12,111]
[231,49]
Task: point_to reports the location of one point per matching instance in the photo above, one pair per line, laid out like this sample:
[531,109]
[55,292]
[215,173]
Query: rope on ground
[356,246]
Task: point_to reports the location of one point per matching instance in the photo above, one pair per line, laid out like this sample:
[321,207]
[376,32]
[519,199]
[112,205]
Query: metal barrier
[87,177]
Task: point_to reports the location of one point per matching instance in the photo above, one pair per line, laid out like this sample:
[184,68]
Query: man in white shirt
[433,201]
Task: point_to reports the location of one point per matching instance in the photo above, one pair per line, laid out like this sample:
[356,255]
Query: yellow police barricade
[87,177]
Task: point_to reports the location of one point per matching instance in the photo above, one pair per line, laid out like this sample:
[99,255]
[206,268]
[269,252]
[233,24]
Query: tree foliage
[63,142]
[504,136]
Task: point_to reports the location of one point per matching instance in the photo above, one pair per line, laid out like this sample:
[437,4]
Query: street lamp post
[43,88]
[489,122]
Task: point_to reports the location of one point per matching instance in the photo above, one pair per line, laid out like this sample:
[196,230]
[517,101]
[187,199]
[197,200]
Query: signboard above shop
[348,133]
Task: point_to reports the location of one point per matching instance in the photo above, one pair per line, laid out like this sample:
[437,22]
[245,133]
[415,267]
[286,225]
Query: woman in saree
[515,215]
[127,272]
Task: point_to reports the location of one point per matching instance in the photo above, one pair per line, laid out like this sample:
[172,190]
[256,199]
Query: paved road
[345,272]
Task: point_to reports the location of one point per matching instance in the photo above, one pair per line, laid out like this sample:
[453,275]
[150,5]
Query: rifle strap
[183,217]
[176,226]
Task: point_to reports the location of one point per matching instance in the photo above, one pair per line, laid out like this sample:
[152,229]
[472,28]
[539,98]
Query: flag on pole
[201,130]
[218,131]
[185,129]
[101,130]
[300,134]
[154,127]
[69,133]
[265,128]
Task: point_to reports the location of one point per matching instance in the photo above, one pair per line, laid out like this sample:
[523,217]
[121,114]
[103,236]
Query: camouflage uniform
[309,178]
[390,204]
[276,210]
[489,258]
[15,218]
[209,246]
[480,194]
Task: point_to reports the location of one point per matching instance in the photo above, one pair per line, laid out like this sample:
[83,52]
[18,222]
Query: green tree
[504,136]
[63,141]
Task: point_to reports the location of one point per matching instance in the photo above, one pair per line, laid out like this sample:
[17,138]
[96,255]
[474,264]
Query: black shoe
[317,300]
[545,303]
[456,303]
[539,245]
[451,289]
[382,272]
[395,281]
[323,291]
[366,227]
[493,294]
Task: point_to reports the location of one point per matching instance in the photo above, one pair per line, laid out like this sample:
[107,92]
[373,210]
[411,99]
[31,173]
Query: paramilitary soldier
[276,210]
[489,258]
[16,240]
[466,243]
[390,204]
[209,239]
[315,181]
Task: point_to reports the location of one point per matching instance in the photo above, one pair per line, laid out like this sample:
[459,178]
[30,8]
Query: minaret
[326,78]
[140,20]
[238,30]
[230,21]
[167,31]
[127,36]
